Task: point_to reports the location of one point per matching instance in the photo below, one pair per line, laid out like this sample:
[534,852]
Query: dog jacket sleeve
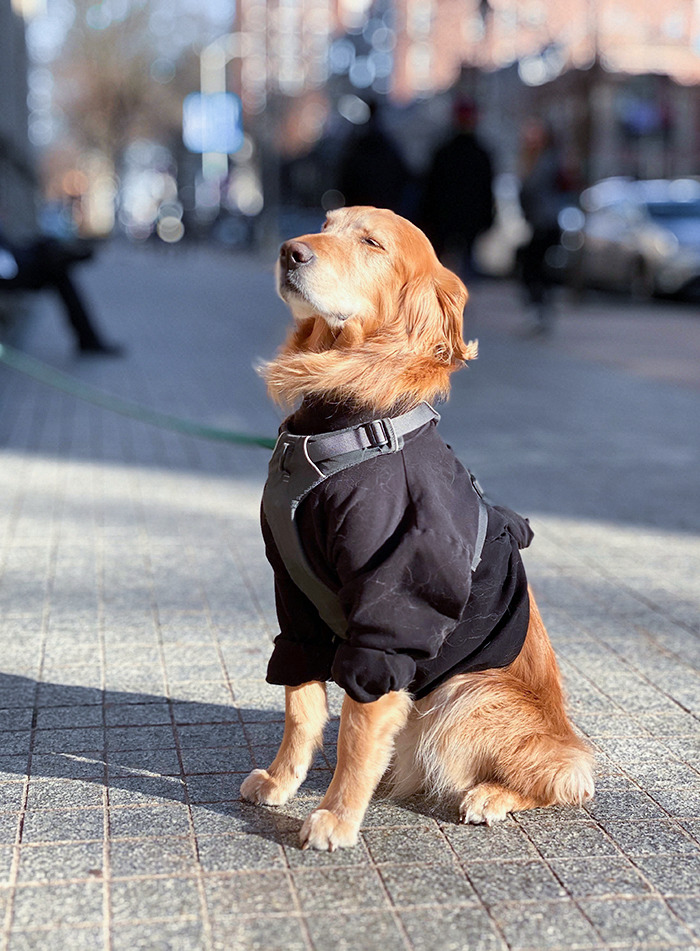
[395,538]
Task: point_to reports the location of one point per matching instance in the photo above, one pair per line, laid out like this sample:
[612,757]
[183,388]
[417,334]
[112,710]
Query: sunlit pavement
[137,618]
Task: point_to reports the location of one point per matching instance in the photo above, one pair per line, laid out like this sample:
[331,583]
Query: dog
[393,576]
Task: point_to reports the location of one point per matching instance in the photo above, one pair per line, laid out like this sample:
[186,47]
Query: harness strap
[385,434]
[300,463]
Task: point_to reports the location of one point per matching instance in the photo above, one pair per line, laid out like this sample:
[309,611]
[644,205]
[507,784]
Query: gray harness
[300,463]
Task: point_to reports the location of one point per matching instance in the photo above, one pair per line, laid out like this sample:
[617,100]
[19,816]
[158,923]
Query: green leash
[42,372]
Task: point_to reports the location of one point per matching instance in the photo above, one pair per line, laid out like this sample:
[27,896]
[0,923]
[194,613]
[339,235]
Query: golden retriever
[378,325]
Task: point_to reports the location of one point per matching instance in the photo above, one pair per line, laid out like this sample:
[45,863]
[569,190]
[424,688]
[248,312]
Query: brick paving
[137,617]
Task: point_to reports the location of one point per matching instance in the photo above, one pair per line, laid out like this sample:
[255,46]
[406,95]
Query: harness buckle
[382,435]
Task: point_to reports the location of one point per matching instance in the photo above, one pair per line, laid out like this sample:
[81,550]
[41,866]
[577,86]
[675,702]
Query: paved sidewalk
[137,618]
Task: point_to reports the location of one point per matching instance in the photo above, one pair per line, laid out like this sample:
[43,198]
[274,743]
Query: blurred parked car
[642,237]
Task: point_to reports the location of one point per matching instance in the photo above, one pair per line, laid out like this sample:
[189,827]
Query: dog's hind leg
[500,739]
[488,740]
[365,744]
[306,712]
[541,771]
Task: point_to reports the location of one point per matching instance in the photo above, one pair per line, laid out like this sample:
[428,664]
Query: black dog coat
[394,537]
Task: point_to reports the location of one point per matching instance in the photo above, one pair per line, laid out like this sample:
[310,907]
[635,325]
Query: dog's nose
[294,254]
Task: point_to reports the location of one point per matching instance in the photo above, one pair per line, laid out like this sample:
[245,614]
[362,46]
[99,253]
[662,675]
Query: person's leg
[530,259]
[87,336]
[537,281]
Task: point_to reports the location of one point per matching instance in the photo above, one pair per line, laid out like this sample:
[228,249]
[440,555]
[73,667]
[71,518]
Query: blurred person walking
[46,264]
[457,203]
[372,170]
[545,190]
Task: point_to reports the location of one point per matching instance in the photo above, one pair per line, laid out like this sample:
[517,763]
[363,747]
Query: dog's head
[369,295]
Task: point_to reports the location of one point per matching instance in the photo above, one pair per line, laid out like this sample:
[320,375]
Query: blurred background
[229,121]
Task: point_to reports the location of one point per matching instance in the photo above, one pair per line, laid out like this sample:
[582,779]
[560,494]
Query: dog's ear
[432,308]
[452,297]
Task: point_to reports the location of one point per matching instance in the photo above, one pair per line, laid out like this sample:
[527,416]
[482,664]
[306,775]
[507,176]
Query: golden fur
[379,323]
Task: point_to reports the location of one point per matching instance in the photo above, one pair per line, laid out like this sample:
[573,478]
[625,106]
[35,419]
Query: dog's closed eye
[372,242]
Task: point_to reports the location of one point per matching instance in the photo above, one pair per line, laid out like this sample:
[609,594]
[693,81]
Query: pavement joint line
[13,877]
[642,675]
[610,646]
[632,592]
[192,836]
[544,859]
[465,874]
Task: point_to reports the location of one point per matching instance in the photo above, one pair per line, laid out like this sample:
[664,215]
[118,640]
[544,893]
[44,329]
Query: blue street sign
[212,122]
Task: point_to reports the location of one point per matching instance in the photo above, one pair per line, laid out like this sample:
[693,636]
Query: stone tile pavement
[137,616]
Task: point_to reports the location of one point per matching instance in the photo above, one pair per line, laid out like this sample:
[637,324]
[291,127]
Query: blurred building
[544,37]
[17,181]
[618,78]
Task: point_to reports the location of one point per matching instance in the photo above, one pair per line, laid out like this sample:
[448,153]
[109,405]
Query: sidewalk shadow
[146,749]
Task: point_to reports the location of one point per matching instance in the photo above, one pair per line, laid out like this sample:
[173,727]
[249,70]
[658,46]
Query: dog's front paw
[325,831]
[486,803]
[262,788]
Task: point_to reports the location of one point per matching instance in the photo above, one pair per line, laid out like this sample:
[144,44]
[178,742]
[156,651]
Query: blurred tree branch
[108,92]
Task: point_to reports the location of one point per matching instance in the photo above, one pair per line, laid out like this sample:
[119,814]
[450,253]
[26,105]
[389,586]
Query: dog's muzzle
[294,255]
